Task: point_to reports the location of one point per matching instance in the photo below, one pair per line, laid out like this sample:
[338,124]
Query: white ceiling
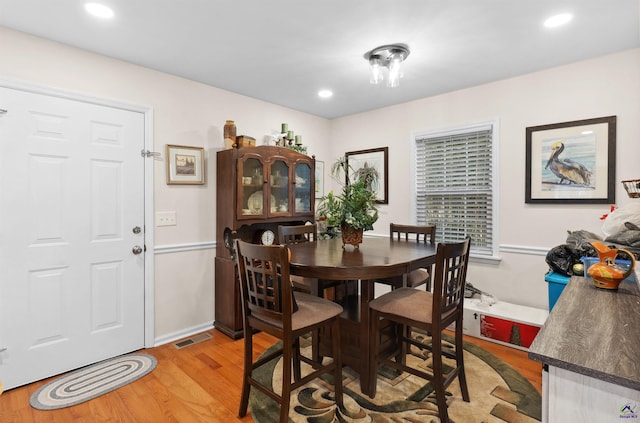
[284,51]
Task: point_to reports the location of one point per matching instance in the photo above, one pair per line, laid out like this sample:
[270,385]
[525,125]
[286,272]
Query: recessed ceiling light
[99,10]
[558,20]
[325,93]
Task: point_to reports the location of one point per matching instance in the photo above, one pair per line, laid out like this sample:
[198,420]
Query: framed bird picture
[571,162]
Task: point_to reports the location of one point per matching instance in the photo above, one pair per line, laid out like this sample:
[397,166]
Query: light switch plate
[167,218]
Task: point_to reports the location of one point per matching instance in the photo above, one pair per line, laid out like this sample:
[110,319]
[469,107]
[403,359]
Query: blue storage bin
[556,282]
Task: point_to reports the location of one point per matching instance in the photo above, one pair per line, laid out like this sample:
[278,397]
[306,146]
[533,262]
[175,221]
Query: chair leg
[317,290]
[438,379]
[296,360]
[462,378]
[287,364]
[402,332]
[315,346]
[246,374]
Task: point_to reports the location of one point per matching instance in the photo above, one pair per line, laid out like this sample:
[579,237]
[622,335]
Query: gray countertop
[593,332]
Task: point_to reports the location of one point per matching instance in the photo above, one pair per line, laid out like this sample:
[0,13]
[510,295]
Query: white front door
[71,200]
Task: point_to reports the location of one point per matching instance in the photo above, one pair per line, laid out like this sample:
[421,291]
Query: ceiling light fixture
[325,93]
[386,57]
[558,20]
[99,10]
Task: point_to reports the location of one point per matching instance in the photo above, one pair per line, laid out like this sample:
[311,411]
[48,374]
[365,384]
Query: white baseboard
[171,337]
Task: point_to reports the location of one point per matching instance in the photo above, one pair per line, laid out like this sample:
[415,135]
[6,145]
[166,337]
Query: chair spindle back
[417,232]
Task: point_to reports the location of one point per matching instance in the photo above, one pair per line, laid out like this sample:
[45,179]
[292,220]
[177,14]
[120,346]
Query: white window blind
[454,185]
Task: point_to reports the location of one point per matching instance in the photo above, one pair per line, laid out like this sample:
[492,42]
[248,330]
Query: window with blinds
[454,185]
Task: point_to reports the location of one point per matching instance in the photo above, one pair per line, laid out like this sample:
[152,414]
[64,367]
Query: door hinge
[147,153]
[3,111]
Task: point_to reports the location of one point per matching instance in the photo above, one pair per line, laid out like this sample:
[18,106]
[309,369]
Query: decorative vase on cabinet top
[229,134]
[607,274]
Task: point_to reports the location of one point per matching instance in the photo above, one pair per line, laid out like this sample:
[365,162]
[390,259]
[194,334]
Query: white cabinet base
[574,397]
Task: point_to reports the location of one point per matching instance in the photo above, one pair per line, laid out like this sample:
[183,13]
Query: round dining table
[376,258]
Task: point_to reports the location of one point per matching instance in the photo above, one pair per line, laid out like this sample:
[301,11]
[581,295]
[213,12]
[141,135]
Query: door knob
[137,230]
[136,249]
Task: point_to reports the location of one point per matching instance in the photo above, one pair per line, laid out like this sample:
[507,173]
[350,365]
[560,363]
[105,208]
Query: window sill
[484,259]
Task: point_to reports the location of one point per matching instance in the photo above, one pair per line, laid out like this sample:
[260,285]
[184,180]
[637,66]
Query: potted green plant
[354,210]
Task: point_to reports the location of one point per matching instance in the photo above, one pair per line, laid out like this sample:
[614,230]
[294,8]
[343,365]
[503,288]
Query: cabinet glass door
[279,186]
[304,185]
[250,188]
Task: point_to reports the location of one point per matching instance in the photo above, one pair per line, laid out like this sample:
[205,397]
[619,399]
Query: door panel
[72,184]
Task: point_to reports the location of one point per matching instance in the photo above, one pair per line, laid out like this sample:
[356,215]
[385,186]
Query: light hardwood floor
[199,383]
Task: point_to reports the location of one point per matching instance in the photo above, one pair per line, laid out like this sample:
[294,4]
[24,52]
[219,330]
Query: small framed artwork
[372,166]
[319,178]
[571,162]
[185,165]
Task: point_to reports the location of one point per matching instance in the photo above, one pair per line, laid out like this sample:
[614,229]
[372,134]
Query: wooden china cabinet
[258,188]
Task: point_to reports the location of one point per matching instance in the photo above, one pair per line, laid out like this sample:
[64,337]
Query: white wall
[608,85]
[185,113]
[189,113]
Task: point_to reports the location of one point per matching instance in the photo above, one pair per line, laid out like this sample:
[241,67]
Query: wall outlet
[166,218]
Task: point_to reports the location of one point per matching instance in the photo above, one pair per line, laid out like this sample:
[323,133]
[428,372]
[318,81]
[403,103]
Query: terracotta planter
[351,236]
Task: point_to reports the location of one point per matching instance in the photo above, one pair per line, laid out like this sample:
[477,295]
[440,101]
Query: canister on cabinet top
[229,134]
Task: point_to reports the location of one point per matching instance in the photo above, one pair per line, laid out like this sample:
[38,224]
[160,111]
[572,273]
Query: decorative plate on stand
[255,202]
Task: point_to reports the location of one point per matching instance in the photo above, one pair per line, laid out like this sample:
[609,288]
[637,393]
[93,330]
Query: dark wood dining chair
[417,233]
[295,234]
[298,234]
[269,305]
[431,312]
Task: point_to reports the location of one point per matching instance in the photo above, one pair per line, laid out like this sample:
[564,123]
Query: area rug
[498,394]
[92,381]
